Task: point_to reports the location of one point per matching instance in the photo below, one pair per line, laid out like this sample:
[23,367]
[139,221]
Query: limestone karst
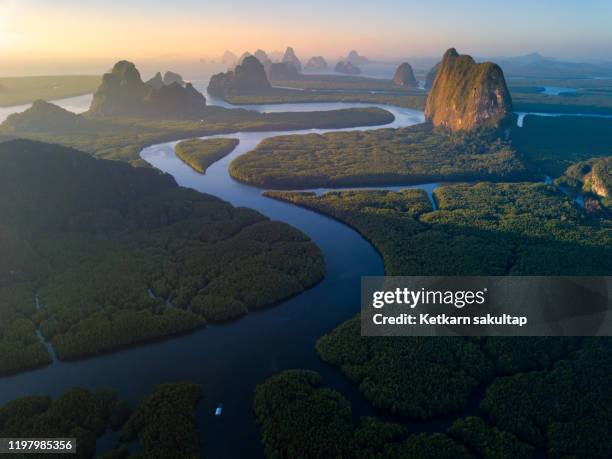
[466,94]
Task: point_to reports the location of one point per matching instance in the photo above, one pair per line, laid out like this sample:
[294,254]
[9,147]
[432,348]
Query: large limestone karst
[123,93]
[290,57]
[248,77]
[466,95]
[157,81]
[404,76]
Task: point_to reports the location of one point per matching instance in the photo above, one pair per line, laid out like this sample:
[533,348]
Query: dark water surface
[230,359]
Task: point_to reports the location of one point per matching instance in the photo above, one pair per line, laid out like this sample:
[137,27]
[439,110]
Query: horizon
[69,35]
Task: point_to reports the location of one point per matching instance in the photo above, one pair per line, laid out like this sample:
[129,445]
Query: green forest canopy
[119,255]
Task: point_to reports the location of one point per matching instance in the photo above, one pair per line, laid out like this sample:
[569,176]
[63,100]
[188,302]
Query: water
[230,359]
[558,90]
[521,115]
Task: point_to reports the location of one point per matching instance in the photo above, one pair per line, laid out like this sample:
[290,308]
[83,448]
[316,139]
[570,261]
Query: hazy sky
[148,29]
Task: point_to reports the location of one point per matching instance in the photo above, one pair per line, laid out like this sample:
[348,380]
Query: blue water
[230,359]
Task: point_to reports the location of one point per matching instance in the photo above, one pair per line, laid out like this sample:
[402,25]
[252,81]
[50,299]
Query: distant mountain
[466,95]
[316,62]
[263,57]
[248,77]
[282,71]
[355,59]
[404,76]
[536,65]
[292,58]
[123,93]
[171,77]
[347,68]
[229,58]
[431,76]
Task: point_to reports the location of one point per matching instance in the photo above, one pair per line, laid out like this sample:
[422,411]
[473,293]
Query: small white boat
[219,410]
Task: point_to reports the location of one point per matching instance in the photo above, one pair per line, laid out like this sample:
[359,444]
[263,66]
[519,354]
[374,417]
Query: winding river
[229,360]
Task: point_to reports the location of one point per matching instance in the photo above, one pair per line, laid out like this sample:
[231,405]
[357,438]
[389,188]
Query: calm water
[78,104]
[230,359]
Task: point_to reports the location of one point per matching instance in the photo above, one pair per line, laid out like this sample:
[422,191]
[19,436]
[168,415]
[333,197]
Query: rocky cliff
[124,94]
[466,95]
[248,77]
[404,76]
[292,58]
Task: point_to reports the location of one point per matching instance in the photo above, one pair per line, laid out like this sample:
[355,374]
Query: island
[201,153]
[100,255]
[118,126]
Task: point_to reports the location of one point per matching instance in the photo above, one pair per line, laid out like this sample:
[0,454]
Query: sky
[106,30]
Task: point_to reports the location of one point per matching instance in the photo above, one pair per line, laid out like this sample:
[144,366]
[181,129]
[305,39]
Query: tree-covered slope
[118,255]
[415,154]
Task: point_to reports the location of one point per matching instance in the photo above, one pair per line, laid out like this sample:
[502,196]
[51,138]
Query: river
[229,360]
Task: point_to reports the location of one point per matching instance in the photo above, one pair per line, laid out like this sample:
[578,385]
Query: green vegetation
[484,229]
[554,143]
[165,423]
[124,138]
[546,394]
[121,255]
[78,413]
[24,90]
[201,153]
[416,154]
[299,418]
[280,96]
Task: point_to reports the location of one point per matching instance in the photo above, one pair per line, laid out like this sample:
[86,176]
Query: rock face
[176,101]
[290,57]
[466,95]
[171,77]
[157,81]
[316,62]
[355,59]
[282,71]
[44,117]
[431,76]
[247,78]
[404,76]
[347,67]
[123,93]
